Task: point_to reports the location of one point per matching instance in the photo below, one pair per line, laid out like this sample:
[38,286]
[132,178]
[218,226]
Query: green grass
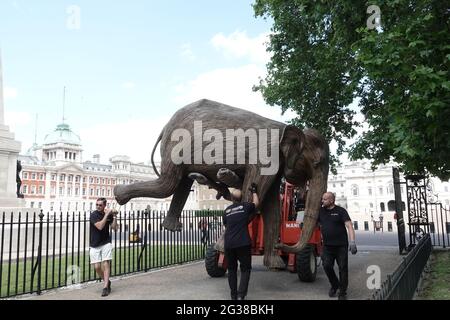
[437,285]
[125,260]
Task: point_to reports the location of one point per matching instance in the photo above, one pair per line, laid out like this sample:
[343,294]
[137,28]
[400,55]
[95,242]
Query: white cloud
[128,85]
[10,92]
[15,119]
[134,138]
[239,45]
[232,86]
[186,51]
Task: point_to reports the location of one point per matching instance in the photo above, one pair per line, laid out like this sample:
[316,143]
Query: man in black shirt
[100,241]
[333,223]
[237,241]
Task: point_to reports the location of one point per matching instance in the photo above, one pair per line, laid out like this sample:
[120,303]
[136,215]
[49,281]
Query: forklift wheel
[307,264]
[211,260]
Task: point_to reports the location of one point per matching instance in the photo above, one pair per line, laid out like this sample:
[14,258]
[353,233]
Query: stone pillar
[9,152]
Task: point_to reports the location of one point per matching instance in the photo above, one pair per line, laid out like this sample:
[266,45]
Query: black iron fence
[41,252]
[402,283]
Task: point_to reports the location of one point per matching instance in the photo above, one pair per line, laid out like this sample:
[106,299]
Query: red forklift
[303,262]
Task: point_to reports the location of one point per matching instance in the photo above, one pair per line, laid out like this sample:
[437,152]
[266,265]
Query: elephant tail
[153,153]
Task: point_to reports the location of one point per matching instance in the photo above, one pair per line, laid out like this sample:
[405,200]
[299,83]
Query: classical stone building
[368,195]
[55,177]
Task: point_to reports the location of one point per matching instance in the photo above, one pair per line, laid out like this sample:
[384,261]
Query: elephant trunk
[317,187]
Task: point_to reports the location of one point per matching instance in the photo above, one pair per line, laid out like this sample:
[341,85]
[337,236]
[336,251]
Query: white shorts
[100,254]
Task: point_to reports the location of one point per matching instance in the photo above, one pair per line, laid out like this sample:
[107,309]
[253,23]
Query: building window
[391,205]
[389,226]
[77,179]
[91,179]
[25,189]
[334,185]
[84,191]
[77,191]
[380,191]
[391,189]
[70,178]
[382,207]
[33,189]
[369,190]
[40,205]
[98,180]
[355,225]
[103,192]
[53,177]
[109,192]
[32,204]
[33,176]
[41,176]
[91,205]
[53,191]
[41,189]
[69,191]
[62,177]
[445,189]
[355,190]
[342,185]
[91,193]
[52,204]
[25,175]
[84,179]
[371,205]
[61,191]
[366,225]
[97,192]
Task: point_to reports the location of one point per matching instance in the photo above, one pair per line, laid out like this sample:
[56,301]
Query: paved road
[190,282]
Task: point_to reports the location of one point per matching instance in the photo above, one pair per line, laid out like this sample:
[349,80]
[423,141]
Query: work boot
[332,292]
[105,292]
[342,295]
[109,286]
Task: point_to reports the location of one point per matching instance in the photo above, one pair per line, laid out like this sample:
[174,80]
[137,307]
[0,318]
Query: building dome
[63,134]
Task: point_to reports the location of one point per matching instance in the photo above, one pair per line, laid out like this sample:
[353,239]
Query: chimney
[96,158]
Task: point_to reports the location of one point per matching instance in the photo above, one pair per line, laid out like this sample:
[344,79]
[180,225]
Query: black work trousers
[244,256]
[340,255]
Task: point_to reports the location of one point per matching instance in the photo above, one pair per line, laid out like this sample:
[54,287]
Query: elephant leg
[230,178]
[222,189]
[271,215]
[162,187]
[172,220]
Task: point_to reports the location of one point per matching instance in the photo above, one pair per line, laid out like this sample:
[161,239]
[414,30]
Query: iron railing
[402,283]
[41,252]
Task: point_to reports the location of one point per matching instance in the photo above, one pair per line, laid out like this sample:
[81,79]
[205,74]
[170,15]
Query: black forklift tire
[211,260]
[307,264]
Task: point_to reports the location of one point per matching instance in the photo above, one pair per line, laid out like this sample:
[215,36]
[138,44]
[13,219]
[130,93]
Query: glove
[253,188]
[352,247]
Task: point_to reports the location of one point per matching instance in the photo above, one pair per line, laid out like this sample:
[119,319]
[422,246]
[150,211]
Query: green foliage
[325,57]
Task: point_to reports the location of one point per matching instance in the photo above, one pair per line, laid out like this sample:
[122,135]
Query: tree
[325,57]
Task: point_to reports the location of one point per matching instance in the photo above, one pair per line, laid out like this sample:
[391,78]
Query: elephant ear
[292,144]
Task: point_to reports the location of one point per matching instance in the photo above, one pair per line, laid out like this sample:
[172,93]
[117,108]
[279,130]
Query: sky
[127,66]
